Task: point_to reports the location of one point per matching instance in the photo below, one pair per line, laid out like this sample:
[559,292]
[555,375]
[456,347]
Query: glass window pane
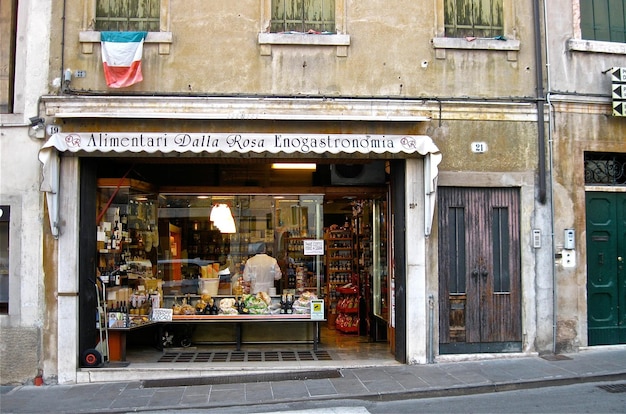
[303,15]
[479,18]
[128,15]
[5,215]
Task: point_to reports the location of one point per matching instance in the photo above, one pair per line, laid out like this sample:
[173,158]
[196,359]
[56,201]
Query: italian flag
[121,57]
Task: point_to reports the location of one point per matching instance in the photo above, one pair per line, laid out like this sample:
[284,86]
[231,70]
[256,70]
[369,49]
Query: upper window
[473,18]
[128,15]
[8,26]
[603,20]
[303,16]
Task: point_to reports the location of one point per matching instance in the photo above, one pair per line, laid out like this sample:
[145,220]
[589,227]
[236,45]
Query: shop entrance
[178,242]
[479,270]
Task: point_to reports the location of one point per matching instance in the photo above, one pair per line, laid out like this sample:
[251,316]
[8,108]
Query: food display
[245,304]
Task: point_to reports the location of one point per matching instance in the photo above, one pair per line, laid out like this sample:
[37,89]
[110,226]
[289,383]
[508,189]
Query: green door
[606,276]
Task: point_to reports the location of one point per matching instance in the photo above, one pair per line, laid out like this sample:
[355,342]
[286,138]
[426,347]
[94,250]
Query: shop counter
[240,320]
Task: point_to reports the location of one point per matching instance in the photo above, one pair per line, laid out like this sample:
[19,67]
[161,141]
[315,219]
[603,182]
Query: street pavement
[447,377]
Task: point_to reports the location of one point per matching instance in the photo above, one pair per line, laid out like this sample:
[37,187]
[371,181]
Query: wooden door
[479,270]
[606,276]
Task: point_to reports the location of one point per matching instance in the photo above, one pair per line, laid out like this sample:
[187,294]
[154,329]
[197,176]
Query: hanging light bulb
[222,218]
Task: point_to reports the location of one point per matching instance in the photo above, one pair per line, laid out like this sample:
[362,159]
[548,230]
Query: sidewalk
[375,383]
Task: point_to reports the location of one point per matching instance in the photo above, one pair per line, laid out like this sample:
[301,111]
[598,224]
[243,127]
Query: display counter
[118,335]
[238,322]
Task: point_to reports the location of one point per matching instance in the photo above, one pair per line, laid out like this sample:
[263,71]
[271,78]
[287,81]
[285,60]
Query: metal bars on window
[473,18]
[317,16]
[128,15]
[603,168]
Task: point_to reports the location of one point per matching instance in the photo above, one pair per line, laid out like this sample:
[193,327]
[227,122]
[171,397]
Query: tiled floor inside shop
[335,346]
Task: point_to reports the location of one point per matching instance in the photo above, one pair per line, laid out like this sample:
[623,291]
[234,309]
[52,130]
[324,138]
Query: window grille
[303,16]
[605,168]
[128,15]
[475,18]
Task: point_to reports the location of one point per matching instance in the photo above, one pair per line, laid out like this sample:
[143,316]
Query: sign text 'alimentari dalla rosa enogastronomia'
[240,143]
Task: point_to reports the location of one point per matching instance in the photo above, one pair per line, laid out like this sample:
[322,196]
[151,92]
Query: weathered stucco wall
[582,128]
[390,54]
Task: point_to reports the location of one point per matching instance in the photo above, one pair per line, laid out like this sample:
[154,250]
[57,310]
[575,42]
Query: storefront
[350,231]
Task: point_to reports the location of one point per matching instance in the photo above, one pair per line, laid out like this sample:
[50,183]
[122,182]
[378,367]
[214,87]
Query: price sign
[317,309]
[313,247]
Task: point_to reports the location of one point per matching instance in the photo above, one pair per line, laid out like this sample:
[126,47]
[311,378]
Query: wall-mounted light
[38,126]
[294,166]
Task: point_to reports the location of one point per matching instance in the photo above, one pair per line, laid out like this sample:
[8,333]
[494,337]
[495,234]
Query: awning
[232,143]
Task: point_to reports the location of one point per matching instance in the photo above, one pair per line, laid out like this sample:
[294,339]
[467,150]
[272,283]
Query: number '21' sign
[479,147]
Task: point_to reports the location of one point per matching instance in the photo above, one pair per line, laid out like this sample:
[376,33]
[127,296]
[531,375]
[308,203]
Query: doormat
[246,356]
[249,377]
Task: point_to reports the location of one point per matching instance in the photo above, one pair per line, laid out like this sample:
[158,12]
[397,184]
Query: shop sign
[166,142]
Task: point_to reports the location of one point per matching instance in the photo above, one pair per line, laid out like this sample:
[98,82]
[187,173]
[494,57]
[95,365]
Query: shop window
[127,15]
[5,214]
[316,16]
[8,23]
[476,18]
[603,20]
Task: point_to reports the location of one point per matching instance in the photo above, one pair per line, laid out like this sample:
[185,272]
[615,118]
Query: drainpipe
[541,97]
[540,103]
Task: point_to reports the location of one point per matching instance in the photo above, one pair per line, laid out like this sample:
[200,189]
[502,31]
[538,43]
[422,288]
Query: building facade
[485,125]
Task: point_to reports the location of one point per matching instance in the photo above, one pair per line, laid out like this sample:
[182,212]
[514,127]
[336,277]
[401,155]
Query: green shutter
[617,13]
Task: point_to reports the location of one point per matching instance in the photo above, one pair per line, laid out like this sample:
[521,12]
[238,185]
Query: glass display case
[217,234]
[379,279]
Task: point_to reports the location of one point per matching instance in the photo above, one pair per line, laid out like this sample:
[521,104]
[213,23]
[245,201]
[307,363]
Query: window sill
[164,39]
[440,44]
[267,40]
[595,46]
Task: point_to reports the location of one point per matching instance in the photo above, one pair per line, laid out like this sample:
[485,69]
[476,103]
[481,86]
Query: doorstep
[165,371]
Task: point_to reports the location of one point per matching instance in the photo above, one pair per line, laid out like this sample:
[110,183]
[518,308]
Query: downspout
[541,149]
[541,99]
[551,162]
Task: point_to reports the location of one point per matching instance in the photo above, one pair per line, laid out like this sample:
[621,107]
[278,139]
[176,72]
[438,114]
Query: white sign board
[313,247]
[317,309]
[162,314]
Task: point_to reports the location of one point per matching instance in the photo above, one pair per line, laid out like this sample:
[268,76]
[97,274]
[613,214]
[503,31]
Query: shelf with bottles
[127,235]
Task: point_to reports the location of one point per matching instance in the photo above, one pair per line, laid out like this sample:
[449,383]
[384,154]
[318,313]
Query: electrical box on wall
[569,243]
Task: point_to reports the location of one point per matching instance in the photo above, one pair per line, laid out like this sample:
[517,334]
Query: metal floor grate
[246,356]
[613,388]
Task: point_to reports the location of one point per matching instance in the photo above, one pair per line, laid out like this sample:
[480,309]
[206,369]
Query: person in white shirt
[261,271]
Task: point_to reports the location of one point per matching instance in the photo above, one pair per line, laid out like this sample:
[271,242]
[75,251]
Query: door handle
[484,274]
[620,259]
[475,273]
